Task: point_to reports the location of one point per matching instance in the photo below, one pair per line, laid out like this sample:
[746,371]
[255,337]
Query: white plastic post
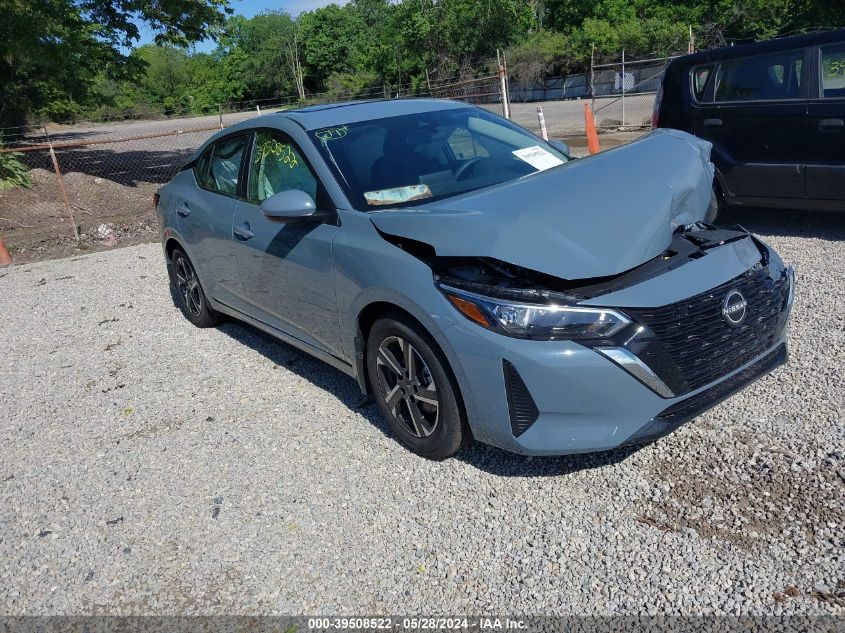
[623,87]
[542,121]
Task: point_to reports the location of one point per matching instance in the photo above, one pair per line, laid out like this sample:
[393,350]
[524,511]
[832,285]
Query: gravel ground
[153,468]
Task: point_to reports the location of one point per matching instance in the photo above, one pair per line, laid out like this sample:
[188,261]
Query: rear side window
[765,77]
[218,168]
[833,71]
[700,76]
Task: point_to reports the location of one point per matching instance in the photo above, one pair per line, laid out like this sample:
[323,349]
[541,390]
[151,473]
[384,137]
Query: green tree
[261,52]
[53,52]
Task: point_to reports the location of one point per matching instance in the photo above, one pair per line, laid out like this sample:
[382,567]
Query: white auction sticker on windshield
[538,158]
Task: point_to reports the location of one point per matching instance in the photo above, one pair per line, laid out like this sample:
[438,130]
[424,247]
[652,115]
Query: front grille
[693,344]
[685,410]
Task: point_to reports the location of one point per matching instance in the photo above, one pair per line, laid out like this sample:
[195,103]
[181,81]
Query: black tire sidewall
[451,432]
[717,204]
[207,316]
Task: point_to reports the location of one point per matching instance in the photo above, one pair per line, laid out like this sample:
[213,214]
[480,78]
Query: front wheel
[414,388]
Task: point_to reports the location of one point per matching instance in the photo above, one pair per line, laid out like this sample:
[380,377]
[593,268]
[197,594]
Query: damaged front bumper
[562,396]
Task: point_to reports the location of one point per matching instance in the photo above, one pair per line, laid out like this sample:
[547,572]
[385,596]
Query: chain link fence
[90,186]
[623,92]
[485,92]
[94,183]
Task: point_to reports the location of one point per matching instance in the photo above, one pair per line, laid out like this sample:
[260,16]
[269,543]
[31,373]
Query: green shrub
[350,85]
[13,172]
[61,110]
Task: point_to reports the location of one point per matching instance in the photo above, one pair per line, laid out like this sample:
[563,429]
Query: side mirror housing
[292,206]
[562,147]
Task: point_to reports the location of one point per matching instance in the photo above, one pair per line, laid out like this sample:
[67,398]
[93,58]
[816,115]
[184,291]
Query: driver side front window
[276,166]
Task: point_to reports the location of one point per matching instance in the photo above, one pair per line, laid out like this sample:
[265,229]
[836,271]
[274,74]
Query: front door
[756,120]
[287,268]
[826,128]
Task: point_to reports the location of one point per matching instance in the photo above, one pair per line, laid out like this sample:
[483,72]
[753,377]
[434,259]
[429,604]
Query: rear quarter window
[201,168]
[699,77]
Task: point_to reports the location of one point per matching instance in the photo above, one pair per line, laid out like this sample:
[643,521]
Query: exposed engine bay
[486,275]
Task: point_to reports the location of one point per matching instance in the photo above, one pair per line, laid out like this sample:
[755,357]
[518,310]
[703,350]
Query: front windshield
[418,158]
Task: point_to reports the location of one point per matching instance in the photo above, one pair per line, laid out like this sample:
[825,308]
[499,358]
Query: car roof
[766,46]
[336,114]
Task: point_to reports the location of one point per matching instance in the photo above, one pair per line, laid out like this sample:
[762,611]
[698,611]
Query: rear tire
[190,297]
[415,389]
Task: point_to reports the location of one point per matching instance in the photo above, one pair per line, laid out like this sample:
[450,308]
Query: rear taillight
[655,114]
[156,198]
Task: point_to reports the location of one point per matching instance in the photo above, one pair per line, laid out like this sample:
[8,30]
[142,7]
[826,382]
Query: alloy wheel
[189,286]
[407,386]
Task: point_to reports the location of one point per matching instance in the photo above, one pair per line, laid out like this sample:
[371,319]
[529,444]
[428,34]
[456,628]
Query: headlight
[536,321]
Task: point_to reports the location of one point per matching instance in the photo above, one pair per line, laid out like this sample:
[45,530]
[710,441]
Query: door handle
[711,123]
[183,211]
[831,125]
[242,231]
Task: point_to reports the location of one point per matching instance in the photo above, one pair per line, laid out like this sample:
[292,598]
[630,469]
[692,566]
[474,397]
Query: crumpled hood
[594,217]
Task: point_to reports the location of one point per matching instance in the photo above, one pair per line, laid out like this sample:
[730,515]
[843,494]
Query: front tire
[415,389]
[190,296]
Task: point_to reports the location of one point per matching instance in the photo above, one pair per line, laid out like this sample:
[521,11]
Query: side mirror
[562,147]
[292,206]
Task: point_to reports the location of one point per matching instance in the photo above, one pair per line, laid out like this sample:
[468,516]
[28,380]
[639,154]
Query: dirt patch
[34,222]
[749,495]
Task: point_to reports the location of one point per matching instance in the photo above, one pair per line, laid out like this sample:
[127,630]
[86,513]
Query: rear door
[755,115]
[206,215]
[826,125]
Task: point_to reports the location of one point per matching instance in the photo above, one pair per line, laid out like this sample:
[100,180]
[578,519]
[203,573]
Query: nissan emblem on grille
[734,308]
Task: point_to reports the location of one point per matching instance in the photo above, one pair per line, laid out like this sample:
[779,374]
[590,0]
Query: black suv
[775,113]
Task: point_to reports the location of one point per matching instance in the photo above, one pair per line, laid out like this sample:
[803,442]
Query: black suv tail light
[655,113]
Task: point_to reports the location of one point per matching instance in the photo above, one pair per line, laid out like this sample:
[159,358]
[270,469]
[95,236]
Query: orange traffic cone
[592,135]
[5,258]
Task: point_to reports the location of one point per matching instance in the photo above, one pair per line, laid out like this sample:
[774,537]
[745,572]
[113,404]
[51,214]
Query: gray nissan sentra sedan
[475,280]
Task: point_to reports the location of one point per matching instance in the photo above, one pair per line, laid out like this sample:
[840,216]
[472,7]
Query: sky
[250,8]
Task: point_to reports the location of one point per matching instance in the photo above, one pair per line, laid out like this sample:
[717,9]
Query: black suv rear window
[764,77]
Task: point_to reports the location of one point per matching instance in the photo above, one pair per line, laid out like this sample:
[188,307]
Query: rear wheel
[190,295]
[414,388]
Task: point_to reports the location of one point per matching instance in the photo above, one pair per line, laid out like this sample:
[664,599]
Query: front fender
[369,270]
